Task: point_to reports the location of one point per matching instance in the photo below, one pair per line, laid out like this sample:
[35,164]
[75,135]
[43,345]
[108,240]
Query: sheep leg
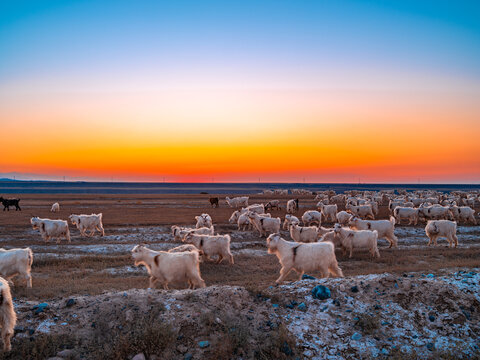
[283,274]
[351,252]
[220,258]
[300,274]
[324,274]
[6,336]
[195,279]
[28,279]
[450,241]
[152,282]
[231,259]
[454,240]
[392,239]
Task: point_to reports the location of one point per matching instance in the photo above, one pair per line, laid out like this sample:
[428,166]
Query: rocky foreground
[412,315]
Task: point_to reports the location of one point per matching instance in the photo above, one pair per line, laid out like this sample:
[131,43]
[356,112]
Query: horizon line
[235,182]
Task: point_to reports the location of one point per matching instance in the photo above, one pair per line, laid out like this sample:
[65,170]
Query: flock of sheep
[312,248]
[19,261]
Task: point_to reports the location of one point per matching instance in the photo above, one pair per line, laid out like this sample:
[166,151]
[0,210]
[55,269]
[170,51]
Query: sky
[241,91]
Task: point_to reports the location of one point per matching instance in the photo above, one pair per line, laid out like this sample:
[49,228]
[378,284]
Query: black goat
[10,202]
[214,201]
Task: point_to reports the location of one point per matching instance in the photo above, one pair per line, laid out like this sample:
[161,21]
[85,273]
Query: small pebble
[356,336]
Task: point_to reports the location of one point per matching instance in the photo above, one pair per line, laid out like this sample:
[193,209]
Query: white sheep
[243,222]
[16,262]
[237,201]
[343,217]
[203,220]
[8,318]
[256,208]
[241,219]
[292,206]
[374,206]
[435,212]
[180,232]
[463,213]
[394,203]
[90,222]
[311,217]
[265,224]
[303,257]
[211,245]
[184,247]
[330,237]
[469,202]
[329,212]
[169,267]
[51,228]
[55,207]
[352,239]
[442,228]
[290,219]
[338,199]
[362,211]
[272,204]
[406,213]
[304,234]
[385,228]
[187,247]
[323,198]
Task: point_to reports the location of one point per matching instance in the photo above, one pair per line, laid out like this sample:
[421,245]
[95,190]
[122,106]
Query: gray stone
[66,353]
[356,336]
[182,349]
[129,315]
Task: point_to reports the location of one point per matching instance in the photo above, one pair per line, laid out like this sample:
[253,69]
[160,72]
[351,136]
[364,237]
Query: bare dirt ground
[98,275]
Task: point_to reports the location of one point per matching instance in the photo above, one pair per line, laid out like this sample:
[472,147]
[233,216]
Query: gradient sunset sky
[326,91]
